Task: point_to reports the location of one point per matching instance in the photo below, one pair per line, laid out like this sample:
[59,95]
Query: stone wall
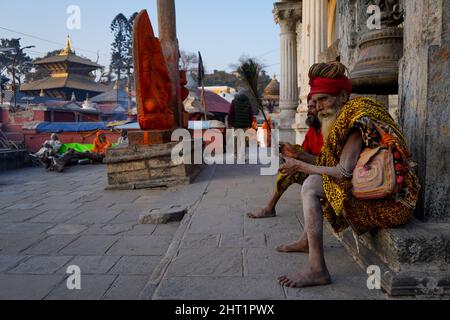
[424,102]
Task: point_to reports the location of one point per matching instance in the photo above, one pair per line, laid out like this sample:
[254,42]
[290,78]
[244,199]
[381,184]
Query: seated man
[49,150]
[50,146]
[101,144]
[348,127]
[98,153]
[123,139]
[307,152]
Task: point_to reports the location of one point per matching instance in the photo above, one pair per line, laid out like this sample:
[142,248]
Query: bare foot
[297,246]
[306,278]
[262,213]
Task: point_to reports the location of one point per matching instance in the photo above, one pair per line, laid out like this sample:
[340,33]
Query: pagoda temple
[69,74]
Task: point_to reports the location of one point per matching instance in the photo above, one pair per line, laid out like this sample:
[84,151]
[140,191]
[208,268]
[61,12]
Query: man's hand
[288,150]
[292,166]
[289,167]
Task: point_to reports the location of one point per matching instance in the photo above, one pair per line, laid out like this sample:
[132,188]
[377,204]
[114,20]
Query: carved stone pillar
[286,15]
[313,41]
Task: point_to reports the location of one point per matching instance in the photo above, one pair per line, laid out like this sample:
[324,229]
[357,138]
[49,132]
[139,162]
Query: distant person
[241,114]
[267,127]
[101,144]
[51,147]
[123,139]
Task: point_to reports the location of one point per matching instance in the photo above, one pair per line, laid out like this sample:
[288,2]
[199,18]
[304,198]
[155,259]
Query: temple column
[286,15]
[313,41]
[167,25]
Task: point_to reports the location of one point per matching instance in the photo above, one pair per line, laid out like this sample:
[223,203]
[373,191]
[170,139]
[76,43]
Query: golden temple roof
[272,91]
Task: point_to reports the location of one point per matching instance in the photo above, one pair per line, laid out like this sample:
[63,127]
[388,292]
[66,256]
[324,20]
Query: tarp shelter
[59,127]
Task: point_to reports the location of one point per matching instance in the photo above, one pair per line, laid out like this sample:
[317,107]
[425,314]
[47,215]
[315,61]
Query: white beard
[327,123]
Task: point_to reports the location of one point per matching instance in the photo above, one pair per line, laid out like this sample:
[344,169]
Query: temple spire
[68,49]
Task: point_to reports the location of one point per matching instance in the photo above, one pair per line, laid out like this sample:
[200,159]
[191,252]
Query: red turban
[330,86]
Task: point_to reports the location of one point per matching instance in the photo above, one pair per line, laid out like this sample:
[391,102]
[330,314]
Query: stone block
[163,216]
[412,259]
[146,166]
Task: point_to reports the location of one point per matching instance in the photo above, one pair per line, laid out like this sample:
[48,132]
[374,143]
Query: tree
[120,47]
[189,61]
[18,58]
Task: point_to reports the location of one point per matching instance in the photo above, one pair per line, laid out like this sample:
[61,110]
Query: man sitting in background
[49,150]
[101,144]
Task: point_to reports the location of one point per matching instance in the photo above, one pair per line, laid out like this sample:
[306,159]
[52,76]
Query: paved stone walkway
[219,253]
[49,221]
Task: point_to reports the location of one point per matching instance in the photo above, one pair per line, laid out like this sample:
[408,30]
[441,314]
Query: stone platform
[146,166]
[414,260]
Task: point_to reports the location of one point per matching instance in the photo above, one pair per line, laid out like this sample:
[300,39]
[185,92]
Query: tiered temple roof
[69,74]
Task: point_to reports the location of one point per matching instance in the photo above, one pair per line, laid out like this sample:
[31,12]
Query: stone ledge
[414,260]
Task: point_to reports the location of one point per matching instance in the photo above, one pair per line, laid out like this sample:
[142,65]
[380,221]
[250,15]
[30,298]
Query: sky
[222,31]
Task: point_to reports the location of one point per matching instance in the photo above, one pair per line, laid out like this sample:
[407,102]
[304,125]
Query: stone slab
[265,262]
[108,229]
[9,262]
[18,215]
[126,288]
[15,243]
[93,287]
[195,240]
[92,264]
[67,229]
[50,245]
[230,288]
[140,246]
[240,241]
[136,265]
[207,262]
[24,228]
[90,245]
[27,287]
[41,265]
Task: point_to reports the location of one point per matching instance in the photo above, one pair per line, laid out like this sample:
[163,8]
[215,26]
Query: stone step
[414,259]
